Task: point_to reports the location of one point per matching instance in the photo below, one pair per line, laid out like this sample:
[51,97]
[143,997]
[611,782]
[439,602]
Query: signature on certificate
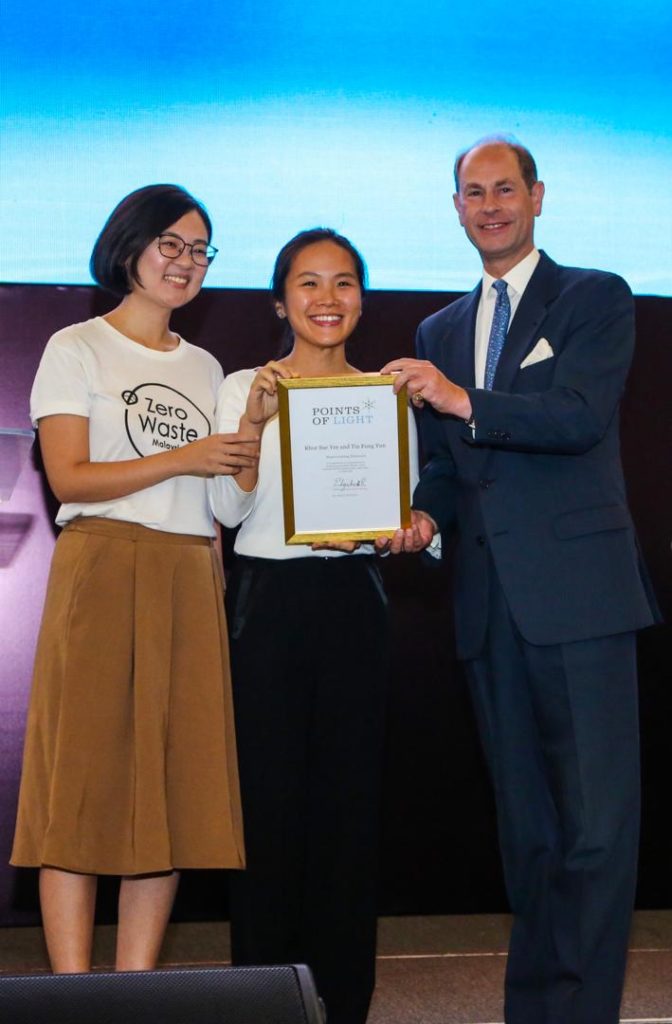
[342,483]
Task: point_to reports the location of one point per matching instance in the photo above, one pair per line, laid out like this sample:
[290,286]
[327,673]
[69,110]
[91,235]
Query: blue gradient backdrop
[285,115]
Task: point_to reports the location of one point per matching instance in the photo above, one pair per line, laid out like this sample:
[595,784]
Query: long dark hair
[293,247]
[290,251]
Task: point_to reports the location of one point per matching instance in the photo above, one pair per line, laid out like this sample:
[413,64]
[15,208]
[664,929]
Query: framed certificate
[344,447]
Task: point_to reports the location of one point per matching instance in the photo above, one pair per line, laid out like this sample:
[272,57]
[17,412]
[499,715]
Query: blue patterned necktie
[500,325]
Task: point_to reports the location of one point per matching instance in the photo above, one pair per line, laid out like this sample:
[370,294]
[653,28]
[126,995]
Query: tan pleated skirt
[130,758]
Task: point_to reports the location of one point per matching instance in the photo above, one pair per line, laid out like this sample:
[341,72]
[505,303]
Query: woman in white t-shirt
[130,762]
[309,651]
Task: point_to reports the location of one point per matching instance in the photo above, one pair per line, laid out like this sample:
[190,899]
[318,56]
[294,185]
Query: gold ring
[417,398]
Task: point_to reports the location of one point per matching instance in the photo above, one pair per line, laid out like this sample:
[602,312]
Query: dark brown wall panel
[439,843]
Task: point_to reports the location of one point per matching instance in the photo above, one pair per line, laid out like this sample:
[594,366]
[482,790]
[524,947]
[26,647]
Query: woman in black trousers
[309,649]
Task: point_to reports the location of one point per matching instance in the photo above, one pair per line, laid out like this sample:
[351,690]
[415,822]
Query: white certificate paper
[344,443]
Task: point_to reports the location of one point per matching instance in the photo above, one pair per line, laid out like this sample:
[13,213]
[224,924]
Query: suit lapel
[458,347]
[524,331]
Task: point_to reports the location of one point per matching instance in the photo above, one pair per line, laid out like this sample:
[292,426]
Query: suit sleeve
[592,360]
[435,493]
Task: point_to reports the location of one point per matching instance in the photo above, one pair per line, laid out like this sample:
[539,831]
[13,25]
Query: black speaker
[226,995]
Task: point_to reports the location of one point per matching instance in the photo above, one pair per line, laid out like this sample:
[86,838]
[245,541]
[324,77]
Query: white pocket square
[542,350]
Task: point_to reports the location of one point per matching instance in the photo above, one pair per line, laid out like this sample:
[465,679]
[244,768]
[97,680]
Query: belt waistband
[131,531]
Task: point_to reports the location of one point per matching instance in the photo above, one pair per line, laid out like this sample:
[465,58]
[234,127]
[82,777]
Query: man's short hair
[528,167]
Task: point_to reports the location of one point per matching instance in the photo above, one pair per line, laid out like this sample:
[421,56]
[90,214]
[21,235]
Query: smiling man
[518,386]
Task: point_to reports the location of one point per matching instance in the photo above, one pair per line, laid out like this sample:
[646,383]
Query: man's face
[495,207]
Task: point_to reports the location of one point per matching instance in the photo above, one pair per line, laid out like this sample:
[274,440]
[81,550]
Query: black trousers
[309,655]
[559,726]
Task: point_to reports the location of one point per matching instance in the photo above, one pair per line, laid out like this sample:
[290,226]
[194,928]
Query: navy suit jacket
[539,483]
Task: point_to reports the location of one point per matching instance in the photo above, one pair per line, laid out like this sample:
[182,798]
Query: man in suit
[519,385]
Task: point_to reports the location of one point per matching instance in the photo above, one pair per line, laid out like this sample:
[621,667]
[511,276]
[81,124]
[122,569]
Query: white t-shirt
[260,511]
[138,402]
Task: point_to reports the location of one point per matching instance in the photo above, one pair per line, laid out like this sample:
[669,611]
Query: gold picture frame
[345,458]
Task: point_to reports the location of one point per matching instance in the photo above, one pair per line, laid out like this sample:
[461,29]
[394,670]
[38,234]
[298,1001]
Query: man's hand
[417,537]
[427,384]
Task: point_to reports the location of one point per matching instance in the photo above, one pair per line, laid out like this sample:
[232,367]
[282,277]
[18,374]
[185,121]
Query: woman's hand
[336,545]
[64,441]
[219,455]
[262,401]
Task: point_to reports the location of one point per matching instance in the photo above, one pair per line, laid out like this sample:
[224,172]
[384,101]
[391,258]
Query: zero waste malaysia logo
[160,417]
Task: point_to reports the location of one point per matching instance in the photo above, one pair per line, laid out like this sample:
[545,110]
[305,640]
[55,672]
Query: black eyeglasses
[171,246]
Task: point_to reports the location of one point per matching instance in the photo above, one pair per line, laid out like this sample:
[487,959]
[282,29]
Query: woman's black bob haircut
[294,246]
[137,220]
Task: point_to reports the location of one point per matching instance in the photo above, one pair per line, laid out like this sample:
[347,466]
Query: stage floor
[431,970]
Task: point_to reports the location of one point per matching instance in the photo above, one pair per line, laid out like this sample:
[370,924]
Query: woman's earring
[280,312]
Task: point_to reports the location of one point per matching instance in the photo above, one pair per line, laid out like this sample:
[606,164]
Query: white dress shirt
[517,280]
